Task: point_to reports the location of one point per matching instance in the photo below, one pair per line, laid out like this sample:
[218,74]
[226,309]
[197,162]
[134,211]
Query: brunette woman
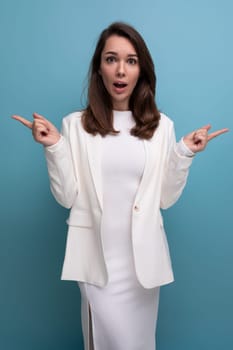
[115,164]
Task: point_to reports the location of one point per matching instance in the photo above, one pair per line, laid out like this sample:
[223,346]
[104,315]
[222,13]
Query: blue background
[46,47]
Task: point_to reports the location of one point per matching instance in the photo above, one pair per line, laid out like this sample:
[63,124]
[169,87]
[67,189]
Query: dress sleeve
[60,166]
[184,150]
[178,162]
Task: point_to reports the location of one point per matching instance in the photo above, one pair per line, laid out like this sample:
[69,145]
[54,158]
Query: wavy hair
[98,115]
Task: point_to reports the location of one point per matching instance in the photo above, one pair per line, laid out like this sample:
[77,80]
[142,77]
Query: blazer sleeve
[175,173]
[63,182]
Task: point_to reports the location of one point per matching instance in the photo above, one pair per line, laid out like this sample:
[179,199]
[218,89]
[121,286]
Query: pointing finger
[217,133]
[24,121]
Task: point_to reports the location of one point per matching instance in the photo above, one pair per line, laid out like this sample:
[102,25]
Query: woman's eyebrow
[115,54]
[110,52]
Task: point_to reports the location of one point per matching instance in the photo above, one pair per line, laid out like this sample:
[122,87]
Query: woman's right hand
[43,131]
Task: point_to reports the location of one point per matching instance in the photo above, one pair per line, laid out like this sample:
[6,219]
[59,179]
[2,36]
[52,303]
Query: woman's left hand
[197,140]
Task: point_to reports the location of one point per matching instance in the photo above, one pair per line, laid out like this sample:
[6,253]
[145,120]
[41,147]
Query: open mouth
[120,85]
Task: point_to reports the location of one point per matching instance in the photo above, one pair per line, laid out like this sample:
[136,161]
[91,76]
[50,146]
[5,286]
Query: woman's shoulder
[165,120]
[73,116]
[165,127]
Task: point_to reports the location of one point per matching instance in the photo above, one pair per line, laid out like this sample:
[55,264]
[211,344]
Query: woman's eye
[110,59]
[132,61]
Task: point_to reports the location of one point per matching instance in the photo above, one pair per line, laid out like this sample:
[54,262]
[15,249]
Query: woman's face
[119,68]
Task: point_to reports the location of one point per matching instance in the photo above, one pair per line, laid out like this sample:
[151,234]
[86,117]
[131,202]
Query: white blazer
[74,167]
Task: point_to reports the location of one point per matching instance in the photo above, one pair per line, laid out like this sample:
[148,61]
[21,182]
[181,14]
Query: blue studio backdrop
[46,48]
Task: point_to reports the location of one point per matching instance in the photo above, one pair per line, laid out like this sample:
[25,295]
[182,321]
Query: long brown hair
[98,116]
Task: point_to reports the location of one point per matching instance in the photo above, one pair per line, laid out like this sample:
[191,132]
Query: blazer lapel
[149,149]
[94,151]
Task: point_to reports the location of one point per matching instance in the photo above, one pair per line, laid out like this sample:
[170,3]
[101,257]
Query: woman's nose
[121,69]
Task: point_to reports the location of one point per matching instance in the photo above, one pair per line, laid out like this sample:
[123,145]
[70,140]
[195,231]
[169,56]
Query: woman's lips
[119,87]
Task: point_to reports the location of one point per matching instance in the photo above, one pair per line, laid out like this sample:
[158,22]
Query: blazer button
[136,208]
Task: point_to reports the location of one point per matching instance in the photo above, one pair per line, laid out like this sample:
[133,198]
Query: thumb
[206,127]
[45,121]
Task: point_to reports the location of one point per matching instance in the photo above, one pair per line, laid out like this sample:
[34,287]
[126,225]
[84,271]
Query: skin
[119,63]
[43,131]
[198,140]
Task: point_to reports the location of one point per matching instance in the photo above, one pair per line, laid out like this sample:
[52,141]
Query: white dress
[123,313]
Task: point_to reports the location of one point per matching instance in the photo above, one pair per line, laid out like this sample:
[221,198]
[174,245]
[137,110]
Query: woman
[115,164]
